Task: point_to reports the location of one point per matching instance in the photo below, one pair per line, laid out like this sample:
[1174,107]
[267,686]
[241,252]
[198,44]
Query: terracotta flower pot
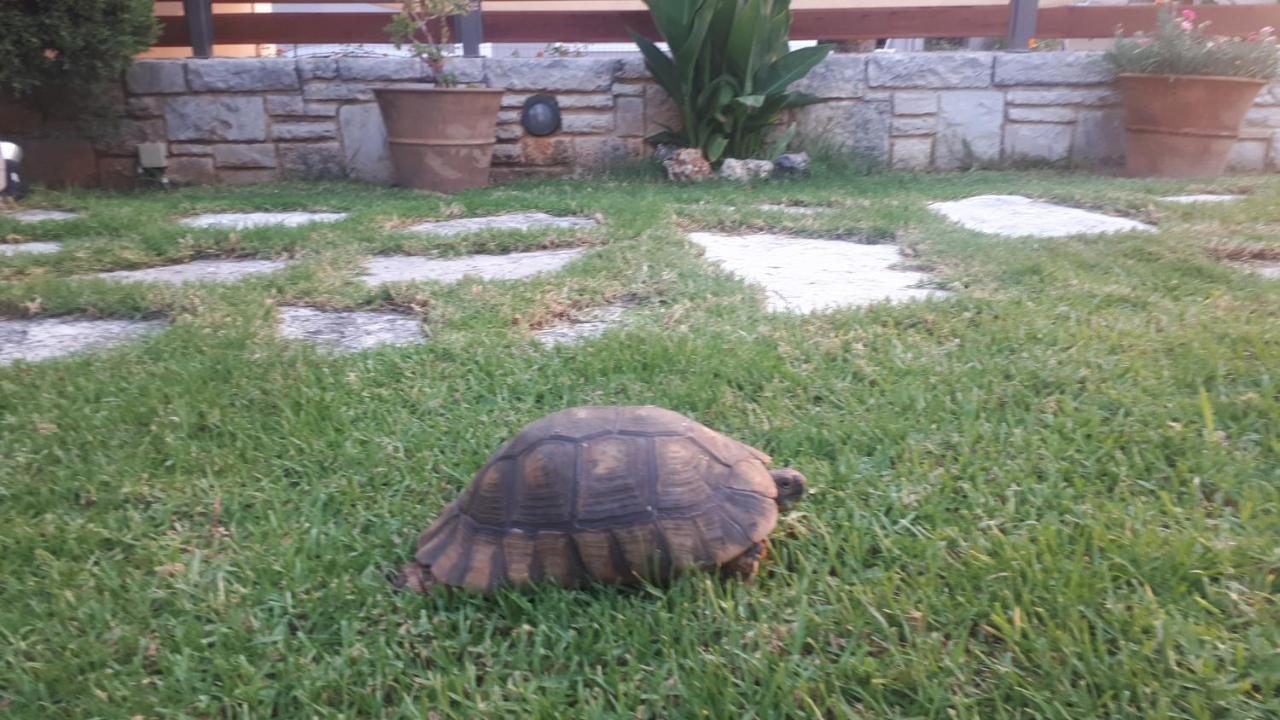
[1183,125]
[441,139]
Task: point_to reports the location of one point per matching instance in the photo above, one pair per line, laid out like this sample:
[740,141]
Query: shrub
[728,72]
[423,25]
[52,50]
[1180,46]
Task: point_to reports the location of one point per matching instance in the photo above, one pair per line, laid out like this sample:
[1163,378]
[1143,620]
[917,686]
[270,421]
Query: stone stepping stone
[1270,271]
[348,332]
[245,221]
[35,216]
[590,324]
[793,209]
[48,338]
[30,248]
[514,221]
[515,266]
[1189,199]
[1017,216]
[806,275]
[211,271]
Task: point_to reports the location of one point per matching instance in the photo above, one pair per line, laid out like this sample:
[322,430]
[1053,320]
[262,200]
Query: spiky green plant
[728,72]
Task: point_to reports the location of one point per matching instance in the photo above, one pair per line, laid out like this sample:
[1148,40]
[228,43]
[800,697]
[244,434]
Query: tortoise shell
[606,494]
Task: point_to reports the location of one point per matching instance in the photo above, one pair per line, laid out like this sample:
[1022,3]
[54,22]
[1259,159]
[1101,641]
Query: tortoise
[613,495]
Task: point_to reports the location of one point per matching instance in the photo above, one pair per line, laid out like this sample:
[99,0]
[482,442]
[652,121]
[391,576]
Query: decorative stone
[551,75]
[156,77]
[629,117]
[190,170]
[930,70]
[346,332]
[1053,68]
[1063,97]
[364,142]
[590,324]
[970,128]
[791,166]
[857,126]
[1037,141]
[216,118]
[912,153]
[1191,199]
[382,68]
[245,221]
[745,170]
[259,155]
[515,266]
[210,271]
[838,76]
[29,248]
[688,165]
[915,103]
[513,221]
[304,131]
[805,275]
[1017,216]
[242,75]
[1099,137]
[312,161]
[1042,114]
[35,216]
[48,338]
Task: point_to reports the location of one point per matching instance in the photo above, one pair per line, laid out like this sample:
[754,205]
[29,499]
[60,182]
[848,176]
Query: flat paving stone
[30,248]
[1017,216]
[807,275]
[1189,199]
[515,266]
[347,332]
[211,271]
[245,221]
[1270,271]
[590,324]
[35,216]
[514,221]
[793,209]
[48,338]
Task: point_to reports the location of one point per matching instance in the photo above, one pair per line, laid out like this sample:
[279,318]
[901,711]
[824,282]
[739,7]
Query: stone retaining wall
[250,120]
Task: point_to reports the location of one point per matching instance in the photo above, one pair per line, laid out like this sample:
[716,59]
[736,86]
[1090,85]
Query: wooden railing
[589,21]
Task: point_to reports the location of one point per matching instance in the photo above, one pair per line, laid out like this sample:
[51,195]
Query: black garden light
[11,184]
[540,115]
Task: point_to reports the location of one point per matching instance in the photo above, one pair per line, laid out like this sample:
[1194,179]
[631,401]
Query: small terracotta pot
[1183,125]
[441,139]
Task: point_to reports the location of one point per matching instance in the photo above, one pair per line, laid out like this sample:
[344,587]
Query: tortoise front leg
[745,566]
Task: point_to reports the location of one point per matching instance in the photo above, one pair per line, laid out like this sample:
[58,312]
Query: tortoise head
[791,486]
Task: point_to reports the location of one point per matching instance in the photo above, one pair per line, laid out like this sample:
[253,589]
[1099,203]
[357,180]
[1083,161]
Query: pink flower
[1268,30]
[1187,26]
[1189,14]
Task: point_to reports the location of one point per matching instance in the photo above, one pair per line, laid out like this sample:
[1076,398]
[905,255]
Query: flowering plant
[1181,46]
[423,25]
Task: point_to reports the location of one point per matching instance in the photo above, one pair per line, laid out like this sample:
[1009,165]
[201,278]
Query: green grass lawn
[1055,494]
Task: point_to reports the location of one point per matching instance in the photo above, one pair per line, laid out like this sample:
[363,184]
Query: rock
[857,126]
[914,125]
[629,117]
[346,332]
[1099,137]
[189,149]
[1052,68]
[245,221]
[745,170]
[364,141]
[127,135]
[1042,114]
[915,103]
[211,271]
[312,161]
[318,68]
[912,153]
[382,68]
[970,134]
[596,153]
[806,275]
[513,221]
[144,107]
[552,75]
[1063,97]
[327,90]
[661,114]
[29,248]
[156,77]
[255,155]
[930,70]
[191,171]
[1248,155]
[632,68]
[242,75]
[515,266]
[586,124]
[663,152]
[791,166]
[688,165]
[216,118]
[838,76]
[304,131]
[47,338]
[295,106]
[1017,216]
[1037,142]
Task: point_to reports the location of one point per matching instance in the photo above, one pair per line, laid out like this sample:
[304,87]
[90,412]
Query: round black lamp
[540,115]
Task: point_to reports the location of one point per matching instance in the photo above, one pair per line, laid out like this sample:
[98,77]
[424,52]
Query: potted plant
[1186,92]
[441,137]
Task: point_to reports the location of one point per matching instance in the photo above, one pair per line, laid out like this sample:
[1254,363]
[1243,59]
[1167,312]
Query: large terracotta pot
[441,139]
[1183,125]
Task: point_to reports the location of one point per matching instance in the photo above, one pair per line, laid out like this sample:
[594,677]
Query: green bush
[728,72]
[51,50]
[1180,46]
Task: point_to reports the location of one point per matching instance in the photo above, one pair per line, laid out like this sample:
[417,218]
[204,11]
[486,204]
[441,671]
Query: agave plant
[728,72]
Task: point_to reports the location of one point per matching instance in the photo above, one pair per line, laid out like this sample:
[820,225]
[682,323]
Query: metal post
[1022,24]
[470,30]
[200,25]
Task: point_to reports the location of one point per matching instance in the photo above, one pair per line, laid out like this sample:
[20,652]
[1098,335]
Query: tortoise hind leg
[745,566]
[414,577]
